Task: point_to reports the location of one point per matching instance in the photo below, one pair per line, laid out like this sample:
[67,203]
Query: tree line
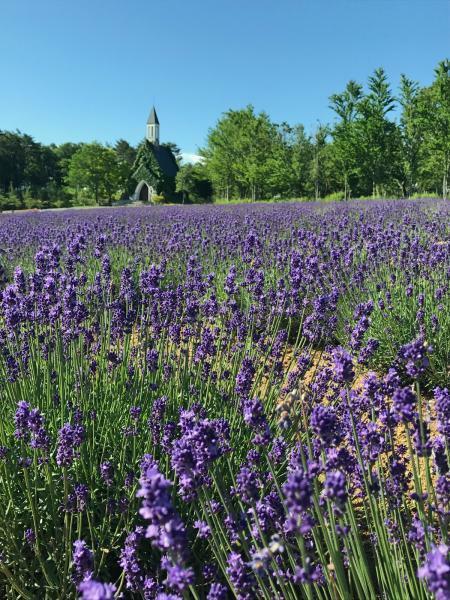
[365,152]
[379,144]
[33,175]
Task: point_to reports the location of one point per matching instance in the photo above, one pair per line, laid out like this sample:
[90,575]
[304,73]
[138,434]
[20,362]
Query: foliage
[365,152]
[193,184]
[434,116]
[126,156]
[95,167]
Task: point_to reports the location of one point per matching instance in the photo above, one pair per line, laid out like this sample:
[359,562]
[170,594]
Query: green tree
[238,153]
[64,153]
[95,168]
[345,147]
[411,133]
[126,155]
[12,160]
[185,181]
[193,184]
[377,137]
[222,153]
[434,110]
[300,164]
[317,166]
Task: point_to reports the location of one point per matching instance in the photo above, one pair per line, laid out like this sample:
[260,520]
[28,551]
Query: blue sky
[91,69]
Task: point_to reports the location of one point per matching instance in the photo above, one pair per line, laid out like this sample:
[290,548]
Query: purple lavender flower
[30,426]
[278,451]
[151,358]
[217,591]
[21,420]
[129,560]
[244,378]
[324,423]
[204,530]
[83,561]
[335,489]
[436,571]
[202,442]
[95,590]
[156,418]
[243,581]
[70,438]
[30,537]
[135,412]
[129,479]
[416,534]
[298,493]
[39,436]
[368,351]
[77,499]
[107,472]
[150,280]
[414,357]
[309,573]
[178,577]
[404,403]
[342,366]
[255,418]
[442,399]
[165,529]
[247,485]
[443,493]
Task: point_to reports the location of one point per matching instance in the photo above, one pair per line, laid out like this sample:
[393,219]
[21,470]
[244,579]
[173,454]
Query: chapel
[155,166]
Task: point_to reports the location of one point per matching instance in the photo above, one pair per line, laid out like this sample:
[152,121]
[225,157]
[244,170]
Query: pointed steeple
[153,117]
[152,134]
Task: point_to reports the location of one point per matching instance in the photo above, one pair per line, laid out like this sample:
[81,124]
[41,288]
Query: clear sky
[79,70]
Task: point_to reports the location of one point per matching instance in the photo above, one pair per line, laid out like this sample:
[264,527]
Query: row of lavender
[178,419]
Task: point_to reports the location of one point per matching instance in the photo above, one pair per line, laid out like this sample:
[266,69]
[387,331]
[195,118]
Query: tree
[64,153]
[434,114]
[377,137]
[193,184]
[95,168]
[12,160]
[222,154]
[317,165]
[411,132]
[126,155]
[25,164]
[301,156]
[345,148]
[238,153]
[185,181]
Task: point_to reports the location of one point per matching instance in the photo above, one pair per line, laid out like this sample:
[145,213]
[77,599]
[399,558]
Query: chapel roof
[165,159]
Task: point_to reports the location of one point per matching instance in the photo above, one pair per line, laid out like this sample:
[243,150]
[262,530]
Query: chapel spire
[153,127]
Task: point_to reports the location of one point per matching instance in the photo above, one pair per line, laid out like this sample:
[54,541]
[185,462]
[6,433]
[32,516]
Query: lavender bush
[219,402]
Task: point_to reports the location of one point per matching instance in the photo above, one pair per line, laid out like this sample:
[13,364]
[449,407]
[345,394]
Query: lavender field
[216,402]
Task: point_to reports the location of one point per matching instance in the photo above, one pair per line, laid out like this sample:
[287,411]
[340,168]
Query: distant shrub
[424,195]
[333,197]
